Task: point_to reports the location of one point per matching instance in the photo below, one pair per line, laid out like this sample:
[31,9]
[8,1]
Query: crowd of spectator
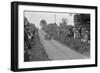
[33,49]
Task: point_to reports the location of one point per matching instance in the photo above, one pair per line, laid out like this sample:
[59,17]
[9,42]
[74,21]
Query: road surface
[58,51]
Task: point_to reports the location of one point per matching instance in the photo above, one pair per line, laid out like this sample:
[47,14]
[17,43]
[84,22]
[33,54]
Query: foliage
[33,49]
[43,23]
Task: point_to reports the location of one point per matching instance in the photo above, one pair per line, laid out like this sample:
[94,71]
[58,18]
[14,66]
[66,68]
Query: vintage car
[47,37]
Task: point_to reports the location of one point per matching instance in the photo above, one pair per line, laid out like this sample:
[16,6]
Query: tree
[64,22]
[43,23]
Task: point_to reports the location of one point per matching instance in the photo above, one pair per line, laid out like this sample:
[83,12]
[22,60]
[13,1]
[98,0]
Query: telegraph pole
[55,18]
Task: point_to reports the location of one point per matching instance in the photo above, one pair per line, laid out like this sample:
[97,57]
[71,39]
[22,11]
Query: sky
[36,17]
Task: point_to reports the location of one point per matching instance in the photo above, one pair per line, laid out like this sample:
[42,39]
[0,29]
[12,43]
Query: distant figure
[76,33]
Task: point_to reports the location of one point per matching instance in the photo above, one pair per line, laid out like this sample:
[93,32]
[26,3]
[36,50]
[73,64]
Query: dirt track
[58,51]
